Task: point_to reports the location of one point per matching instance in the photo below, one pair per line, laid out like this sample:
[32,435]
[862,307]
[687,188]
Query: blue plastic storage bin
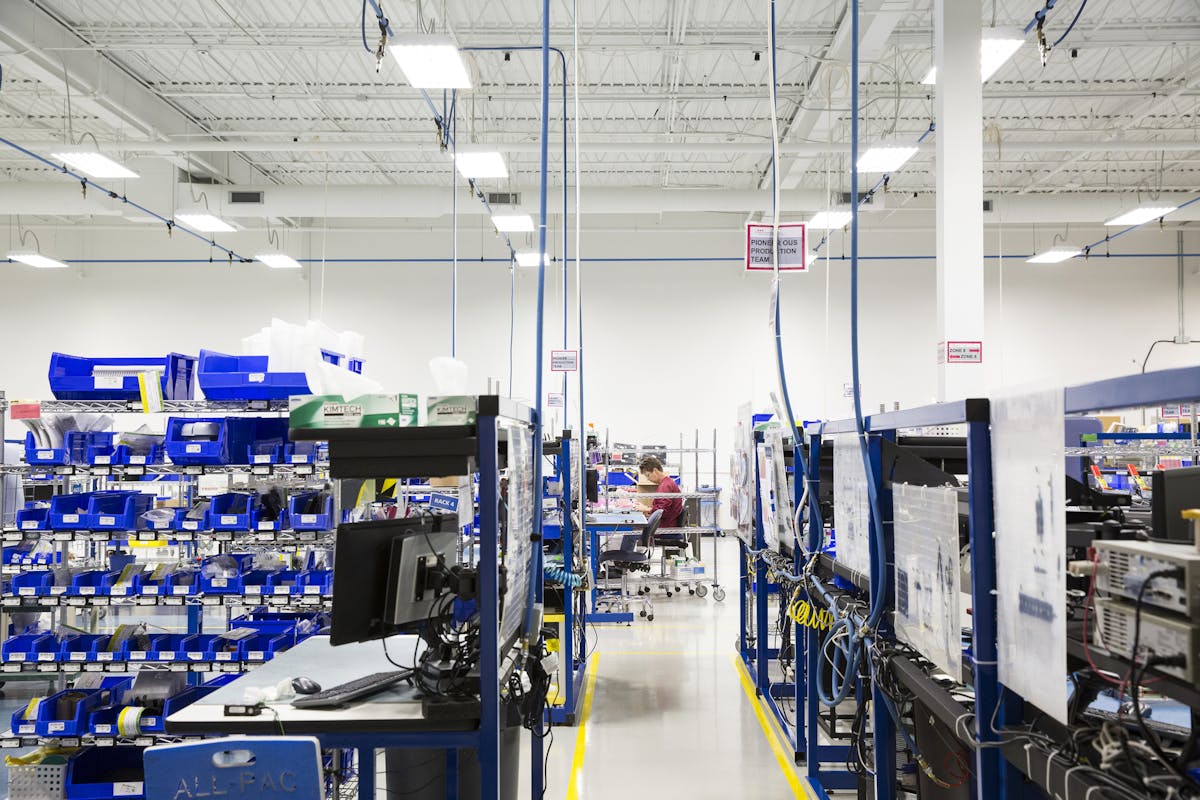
[34,516]
[44,456]
[49,723]
[232,444]
[226,377]
[100,449]
[74,377]
[302,452]
[69,512]
[301,521]
[90,648]
[263,646]
[79,444]
[255,581]
[197,648]
[105,773]
[282,582]
[280,622]
[30,648]
[234,511]
[315,582]
[32,584]
[182,523]
[123,455]
[166,647]
[118,511]
[93,583]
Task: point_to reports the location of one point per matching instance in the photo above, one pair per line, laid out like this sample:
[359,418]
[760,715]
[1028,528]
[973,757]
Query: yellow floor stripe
[573,791]
[784,759]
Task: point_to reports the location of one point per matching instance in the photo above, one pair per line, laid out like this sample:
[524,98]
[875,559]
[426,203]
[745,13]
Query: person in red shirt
[672,507]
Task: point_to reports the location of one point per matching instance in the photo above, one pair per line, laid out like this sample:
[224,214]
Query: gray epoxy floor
[669,716]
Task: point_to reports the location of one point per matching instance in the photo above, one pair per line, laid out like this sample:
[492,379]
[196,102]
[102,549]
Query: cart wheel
[691,591]
[718,593]
[701,590]
[650,618]
[668,593]
[643,613]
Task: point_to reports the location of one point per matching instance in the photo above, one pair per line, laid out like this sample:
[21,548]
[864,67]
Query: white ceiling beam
[364,202]
[37,44]
[594,145]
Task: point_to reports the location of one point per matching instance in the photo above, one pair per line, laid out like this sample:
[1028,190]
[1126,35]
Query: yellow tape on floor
[782,756]
[581,735]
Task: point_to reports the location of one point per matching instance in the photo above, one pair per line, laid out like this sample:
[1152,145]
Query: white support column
[958,105]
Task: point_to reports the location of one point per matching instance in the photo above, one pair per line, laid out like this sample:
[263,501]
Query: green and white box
[452,409]
[366,411]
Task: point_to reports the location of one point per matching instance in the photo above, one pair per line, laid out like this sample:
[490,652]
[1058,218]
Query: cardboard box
[366,411]
[452,409]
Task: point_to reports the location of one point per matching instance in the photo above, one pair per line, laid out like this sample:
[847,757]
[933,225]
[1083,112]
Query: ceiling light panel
[476,164]
[93,163]
[1141,215]
[278,260]
[830,220]
[37,260]
[204,221]
[885,159]
[529,258]
[1055,255]
[513,223]
[430,62]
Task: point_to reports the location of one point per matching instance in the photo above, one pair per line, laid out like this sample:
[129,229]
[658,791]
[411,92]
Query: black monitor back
[361,568]
[1173,491]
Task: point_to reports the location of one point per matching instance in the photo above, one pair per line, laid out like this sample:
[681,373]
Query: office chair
[634,556]
[671,544]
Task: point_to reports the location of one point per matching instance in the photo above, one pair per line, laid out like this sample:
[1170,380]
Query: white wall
[669,347]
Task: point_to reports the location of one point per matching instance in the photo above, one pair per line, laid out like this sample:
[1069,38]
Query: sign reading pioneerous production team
[564,360]
[960,352]
[793,247]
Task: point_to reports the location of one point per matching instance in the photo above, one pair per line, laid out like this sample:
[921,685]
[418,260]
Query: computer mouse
[304,685]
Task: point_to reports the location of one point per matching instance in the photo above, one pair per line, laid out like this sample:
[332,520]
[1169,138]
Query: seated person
[672,507]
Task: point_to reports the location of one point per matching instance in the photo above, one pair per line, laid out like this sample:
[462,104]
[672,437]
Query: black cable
[1151,736]
[1157,342]
[1141,598]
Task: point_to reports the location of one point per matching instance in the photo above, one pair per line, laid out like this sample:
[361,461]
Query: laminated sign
[960,352]
[793,247]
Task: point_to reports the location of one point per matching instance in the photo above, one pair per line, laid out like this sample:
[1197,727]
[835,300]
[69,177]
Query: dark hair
[649,464]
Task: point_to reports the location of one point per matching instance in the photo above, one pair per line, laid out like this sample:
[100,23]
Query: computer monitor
[379,575]
[593,485]
[1173,490]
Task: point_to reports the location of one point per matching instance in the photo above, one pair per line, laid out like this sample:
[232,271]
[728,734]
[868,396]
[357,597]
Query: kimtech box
[367,411]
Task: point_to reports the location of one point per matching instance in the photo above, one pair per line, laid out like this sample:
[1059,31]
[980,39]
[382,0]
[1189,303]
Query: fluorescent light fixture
[513,223]
[430,61]
[997,46]
[92,162]
[278,260]
[885,159]
[1055,255]
[830,220]
[474,164]
[1141,215]
[529,258]
[204,221]
[37,260]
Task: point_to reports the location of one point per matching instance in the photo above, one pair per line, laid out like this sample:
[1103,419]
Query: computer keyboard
[359,687]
